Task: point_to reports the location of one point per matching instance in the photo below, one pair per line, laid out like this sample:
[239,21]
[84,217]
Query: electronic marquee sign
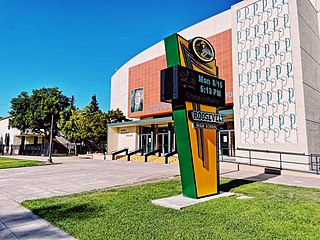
[191,84]
[180,84]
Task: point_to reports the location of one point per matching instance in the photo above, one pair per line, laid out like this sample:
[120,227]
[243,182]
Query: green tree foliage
[89,127]
[20,109]
[73,125]
[116,116]
[34,112]
[97,128]
[84,127]
[93,105]
[67,113]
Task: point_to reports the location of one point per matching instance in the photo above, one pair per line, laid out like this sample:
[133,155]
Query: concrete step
[173,160]
[124,158]
[154,159]
[137,158]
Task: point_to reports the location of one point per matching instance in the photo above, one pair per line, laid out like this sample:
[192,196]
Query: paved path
[72,176]
[79,175]
[307,180]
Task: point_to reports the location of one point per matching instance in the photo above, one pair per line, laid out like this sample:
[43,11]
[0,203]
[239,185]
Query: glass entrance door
[145,142]
[226,140]
[162,142]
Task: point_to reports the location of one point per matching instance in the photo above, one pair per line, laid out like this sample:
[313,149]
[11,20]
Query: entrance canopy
[144,122]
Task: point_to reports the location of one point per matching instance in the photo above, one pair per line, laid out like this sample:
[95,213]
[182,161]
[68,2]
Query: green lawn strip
[275,212]
[15,163]
[62,155]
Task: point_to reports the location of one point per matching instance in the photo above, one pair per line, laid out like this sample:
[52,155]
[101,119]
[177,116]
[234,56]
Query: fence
[290,161]
[35,149]
[4,149]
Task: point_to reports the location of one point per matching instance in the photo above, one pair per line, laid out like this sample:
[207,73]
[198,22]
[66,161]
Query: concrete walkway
[256,174]
[72,176]
[76,175]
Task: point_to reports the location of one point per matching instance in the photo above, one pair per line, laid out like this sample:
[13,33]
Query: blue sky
[77,45]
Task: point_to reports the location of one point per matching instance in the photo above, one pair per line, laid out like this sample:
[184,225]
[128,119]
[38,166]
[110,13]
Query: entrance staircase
[153,159]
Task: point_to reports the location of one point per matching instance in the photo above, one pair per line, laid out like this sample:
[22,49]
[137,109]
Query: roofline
[4,118]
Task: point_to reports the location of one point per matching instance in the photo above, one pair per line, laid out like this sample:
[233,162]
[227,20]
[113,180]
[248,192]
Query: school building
[268,53]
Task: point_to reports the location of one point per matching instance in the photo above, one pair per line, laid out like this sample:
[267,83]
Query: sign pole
[49,161]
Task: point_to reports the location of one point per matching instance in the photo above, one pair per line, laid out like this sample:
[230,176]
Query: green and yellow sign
[191,85]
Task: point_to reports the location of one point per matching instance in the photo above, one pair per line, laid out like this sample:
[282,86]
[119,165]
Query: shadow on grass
[226,187]
[78,211]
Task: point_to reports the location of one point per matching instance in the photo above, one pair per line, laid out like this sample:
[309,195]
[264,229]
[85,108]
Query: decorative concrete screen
[265,74]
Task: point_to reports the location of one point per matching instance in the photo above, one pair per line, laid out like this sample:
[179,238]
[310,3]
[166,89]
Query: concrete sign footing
[179,202]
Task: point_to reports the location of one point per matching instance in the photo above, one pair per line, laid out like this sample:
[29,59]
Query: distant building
[14,142]
[8,136]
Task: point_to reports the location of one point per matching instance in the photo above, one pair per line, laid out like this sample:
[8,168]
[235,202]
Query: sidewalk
[308,182]
[76,175]
[17,222]
[256,174]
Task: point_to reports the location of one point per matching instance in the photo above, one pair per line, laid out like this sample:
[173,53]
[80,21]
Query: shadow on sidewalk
[226,187]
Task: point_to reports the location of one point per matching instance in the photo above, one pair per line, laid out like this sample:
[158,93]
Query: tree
[20,108]
[67,113]
[74,126]
[90,127]
[34,112]
[97,128]
[116,116]
[93,105]
[84,127]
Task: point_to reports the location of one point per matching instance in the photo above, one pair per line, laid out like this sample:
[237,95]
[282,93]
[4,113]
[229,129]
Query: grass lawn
[275,212]
[15,163]
[62,155]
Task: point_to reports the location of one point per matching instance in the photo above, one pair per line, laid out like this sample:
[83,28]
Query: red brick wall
[147,76]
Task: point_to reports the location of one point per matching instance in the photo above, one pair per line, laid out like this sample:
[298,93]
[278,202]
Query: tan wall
[30,140]
[112,139]
[122,137]
[128,138]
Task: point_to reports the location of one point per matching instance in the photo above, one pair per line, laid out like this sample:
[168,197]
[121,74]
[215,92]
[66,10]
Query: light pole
[50,144]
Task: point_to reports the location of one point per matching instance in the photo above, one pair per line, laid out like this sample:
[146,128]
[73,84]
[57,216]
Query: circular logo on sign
[202,49]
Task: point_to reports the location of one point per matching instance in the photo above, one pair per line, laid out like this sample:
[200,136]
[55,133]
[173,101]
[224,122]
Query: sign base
[179,202]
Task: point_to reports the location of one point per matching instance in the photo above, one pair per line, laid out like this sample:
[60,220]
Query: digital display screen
[179,84]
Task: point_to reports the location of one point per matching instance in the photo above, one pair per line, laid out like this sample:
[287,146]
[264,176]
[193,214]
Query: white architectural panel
[265,80]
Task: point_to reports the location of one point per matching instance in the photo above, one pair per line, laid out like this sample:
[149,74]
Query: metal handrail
[119,151]
[170,154]
[310,164]
[134,152]
[270,151]
[152,153]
